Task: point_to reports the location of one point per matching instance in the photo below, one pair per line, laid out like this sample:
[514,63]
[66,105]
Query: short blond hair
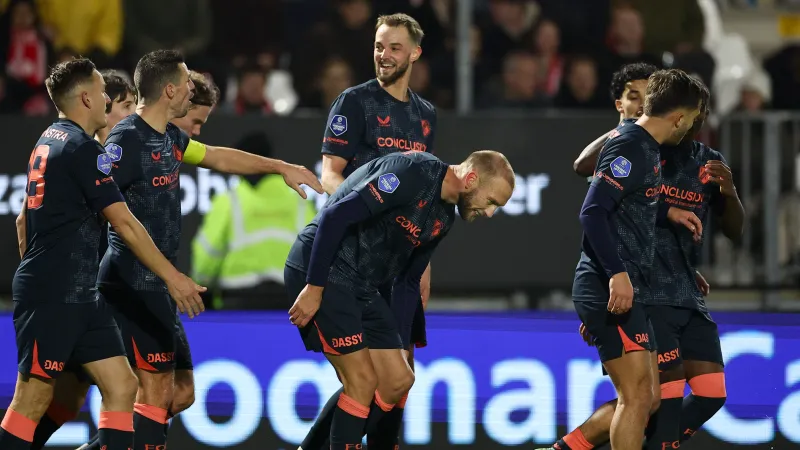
[491,164]
[403,20]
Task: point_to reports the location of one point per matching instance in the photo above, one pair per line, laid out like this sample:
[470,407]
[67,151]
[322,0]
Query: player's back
[685,185]
[61,258]
[629,168]
[376,250]
[147,172]
[366,122]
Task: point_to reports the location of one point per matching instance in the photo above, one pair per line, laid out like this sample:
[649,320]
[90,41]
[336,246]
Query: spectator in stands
[626,39]
[509,23]
[583,23]
[184,25]
[756,92]
[785,76]
[252,31]
[91,28]
[546,43]
[335,77]
[420,81]
[347,33]
[251,92]
[25,59]
[516,88]
[437,19]
[674,26]
[580,87]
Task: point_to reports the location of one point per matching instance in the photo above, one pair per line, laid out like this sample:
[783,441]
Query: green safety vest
[247,234]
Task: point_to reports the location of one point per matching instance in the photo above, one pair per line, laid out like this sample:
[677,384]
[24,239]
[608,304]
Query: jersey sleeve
[432,133]
[125,150]
[620,169]
[345,127]
[717,199]
[392,185]
[90,167]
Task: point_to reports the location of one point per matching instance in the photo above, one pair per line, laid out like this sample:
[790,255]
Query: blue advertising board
[486,380]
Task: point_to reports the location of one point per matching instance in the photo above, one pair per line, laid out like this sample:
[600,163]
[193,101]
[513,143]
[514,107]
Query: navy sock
[319,433]
[347,428]
[667,425]
[696,411]
[387,434]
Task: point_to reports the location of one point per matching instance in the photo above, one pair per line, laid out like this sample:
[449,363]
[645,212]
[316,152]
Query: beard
[399,71]
[464,205]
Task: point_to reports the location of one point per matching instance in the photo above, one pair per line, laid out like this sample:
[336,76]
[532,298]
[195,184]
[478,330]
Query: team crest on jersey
[704,176]
[388,182]
[338,125]
[426,128]
[115,151]
[104,163]
[620,167]
[613,134]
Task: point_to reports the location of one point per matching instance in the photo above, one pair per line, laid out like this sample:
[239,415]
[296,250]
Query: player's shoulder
[702,153]
[126,129]
[64,137]
[424,105]
[175,132]
[420,163]
[360,91]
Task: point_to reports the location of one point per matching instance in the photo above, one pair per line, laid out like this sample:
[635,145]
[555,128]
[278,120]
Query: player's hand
[721,174]
[186,294]
[585,335]
[702,284]
[306,305]
[294,176]
[621,299]
[687,219]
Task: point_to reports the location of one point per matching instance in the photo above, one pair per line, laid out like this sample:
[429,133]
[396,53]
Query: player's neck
[102,135]
[156,116]
[84,122]
[398,90]
[658,128]
[452,184]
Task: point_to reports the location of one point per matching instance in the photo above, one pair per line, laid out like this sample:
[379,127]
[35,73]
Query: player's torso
[153,194]
[685,185]
[62,231]
[634,221]
[391,125]
[379,249]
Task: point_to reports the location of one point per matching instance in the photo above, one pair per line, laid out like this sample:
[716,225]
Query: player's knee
[638,393]
[121,395]
[360,382]
[398,386]
[32,401]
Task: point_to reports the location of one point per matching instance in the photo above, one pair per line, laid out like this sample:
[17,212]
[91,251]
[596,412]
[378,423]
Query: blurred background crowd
[286,56]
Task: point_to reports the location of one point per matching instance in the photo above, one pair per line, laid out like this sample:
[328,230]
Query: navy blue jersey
[629,171]
[69,182]
[685,185]
[365,122]
[403,192]
[147,172]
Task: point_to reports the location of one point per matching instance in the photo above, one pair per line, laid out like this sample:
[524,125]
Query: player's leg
[337,332]
[704,371]
[624,343]
[102,353]
[46,335]
[147,323]
[387,433]
[68,397]
[183,396]
[668,323]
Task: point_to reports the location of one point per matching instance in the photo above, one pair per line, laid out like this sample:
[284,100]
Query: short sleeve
[90,167]
[124,150]
[431,126]
[181,138]
[345,127]
[620,168]
[391,186]
[717,199]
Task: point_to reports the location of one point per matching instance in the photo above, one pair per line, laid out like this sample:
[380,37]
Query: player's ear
[85,98]
[471,180]
[170,89]
[416,54]
[618,105]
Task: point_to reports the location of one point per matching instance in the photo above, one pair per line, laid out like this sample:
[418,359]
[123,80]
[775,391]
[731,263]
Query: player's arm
[231,160]
[90,169]
[726,204]
[22,235]
[332,169]
[587,160]
[406,291]
[343,133]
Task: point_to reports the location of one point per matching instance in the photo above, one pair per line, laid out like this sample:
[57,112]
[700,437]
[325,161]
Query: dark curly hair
[628,73]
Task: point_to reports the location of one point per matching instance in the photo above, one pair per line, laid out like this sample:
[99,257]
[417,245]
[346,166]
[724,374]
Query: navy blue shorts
[616,334]
[684,334]
[345,323]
